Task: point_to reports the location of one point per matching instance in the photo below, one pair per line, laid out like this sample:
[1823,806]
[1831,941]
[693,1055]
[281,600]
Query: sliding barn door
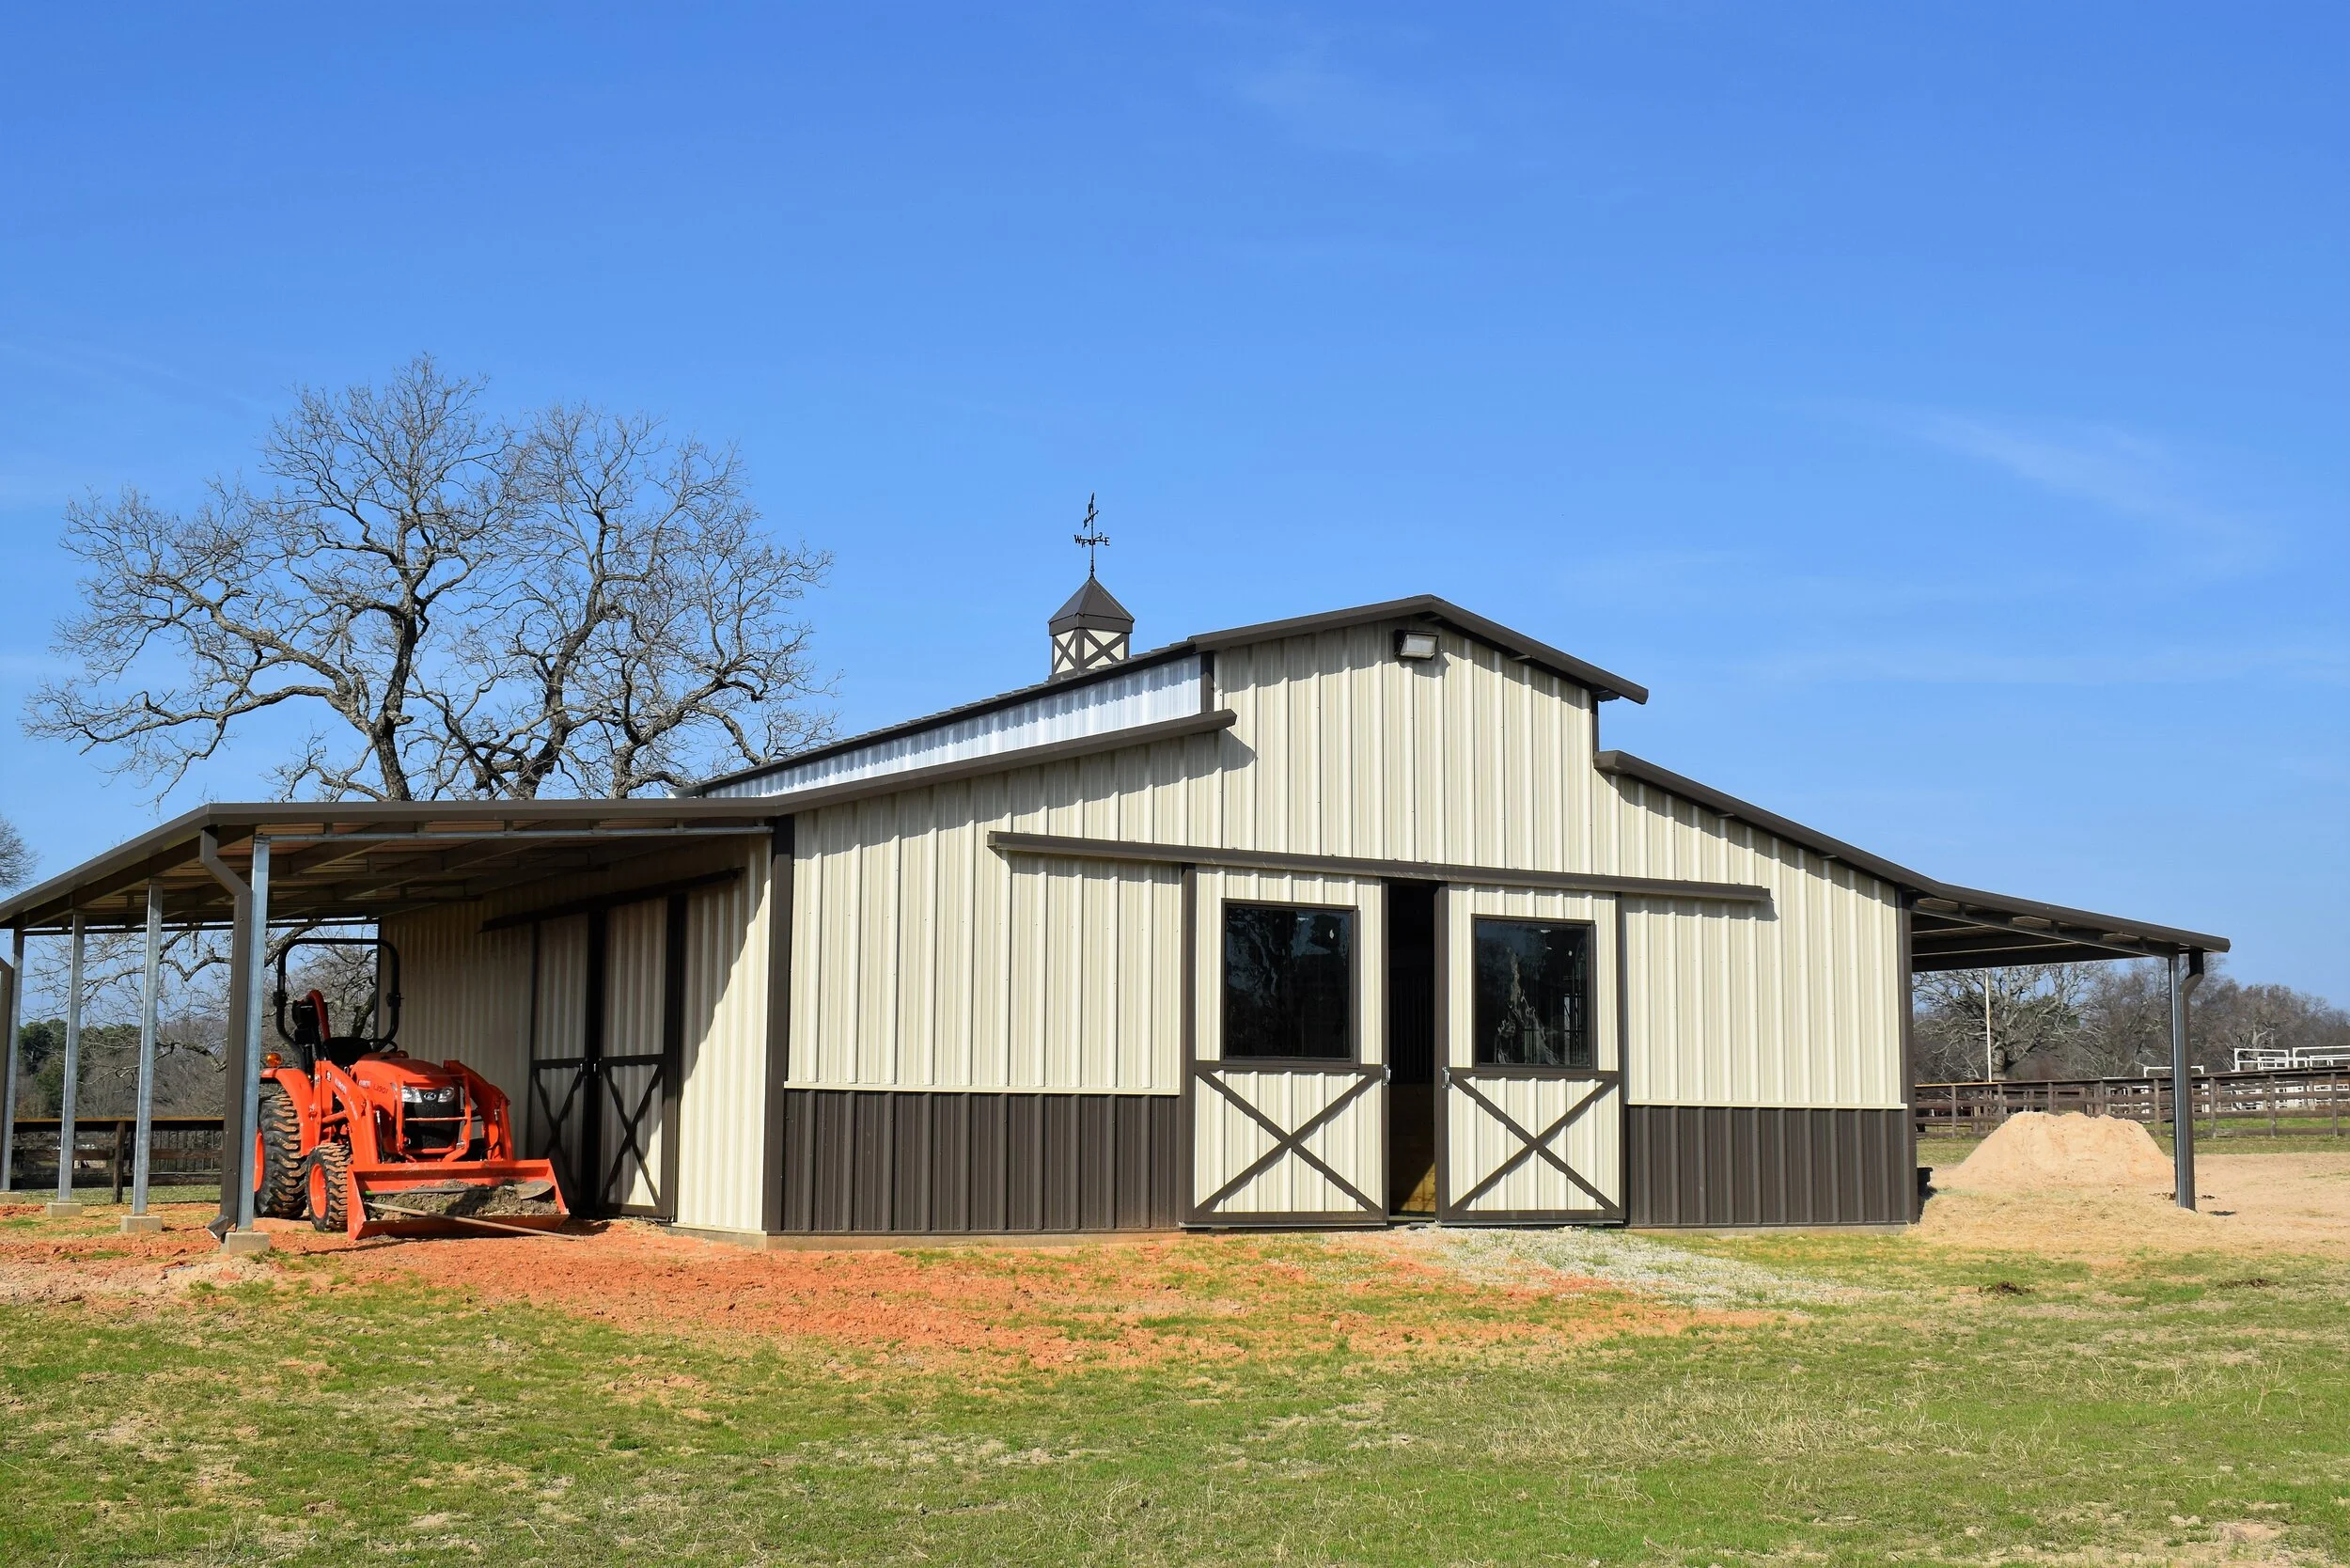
[1531,1088]
[606,1016]
[1285,1092]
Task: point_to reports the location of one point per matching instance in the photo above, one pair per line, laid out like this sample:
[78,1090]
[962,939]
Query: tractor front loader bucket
[427,1198]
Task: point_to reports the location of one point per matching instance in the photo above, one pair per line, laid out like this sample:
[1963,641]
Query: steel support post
[242,1000]
[257,990]
[71,1080]
[15,1014]
[150,1000]
[2186,973]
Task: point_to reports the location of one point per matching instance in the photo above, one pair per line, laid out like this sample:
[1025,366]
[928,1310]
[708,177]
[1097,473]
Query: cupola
[1090,631]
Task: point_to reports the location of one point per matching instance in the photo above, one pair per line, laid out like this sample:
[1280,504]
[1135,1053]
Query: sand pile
[2034,1150]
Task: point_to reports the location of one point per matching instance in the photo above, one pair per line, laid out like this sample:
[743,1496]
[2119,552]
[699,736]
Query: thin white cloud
[2311,665]
[1345,110]
[2117,471]
[94,362]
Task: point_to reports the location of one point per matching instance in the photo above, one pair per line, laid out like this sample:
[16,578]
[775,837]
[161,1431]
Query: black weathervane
[1093,538]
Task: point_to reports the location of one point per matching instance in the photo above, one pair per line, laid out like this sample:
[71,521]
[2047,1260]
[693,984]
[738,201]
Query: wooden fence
[185,1153]
[2303,1104]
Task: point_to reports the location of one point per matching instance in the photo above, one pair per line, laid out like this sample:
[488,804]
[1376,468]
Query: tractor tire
[277,1173]
[334,1168]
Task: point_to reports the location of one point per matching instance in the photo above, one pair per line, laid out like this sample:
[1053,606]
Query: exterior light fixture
[1416,645]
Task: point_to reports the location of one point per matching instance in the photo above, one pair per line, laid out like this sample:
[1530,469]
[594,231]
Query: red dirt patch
[1206,1298]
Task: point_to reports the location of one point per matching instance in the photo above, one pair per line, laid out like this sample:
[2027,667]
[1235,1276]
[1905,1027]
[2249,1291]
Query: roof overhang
[1950,927]
[367,860]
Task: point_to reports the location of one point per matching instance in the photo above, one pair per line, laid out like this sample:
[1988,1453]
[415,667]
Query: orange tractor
[369,1141]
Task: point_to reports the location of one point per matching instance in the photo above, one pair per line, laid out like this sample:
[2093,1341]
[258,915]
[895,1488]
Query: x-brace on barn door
[1510,1154]
[607,1025]
[1283,1141]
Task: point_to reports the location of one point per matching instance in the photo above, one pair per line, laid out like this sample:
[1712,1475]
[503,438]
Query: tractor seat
[344,1049]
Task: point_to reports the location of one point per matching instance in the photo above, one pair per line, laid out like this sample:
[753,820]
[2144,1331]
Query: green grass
[1946,1408]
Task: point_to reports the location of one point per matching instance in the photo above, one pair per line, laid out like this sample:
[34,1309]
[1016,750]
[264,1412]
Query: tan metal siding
[560,994]
[635,942]
[465,994]
[722,1109]
[1797,1003]
[1341,748]
[922,958]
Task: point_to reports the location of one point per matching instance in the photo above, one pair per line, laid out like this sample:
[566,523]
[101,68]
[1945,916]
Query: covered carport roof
[1950,927]
[365,861]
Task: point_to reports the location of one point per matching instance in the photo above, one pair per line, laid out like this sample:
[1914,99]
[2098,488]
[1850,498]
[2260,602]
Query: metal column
[150,999]
[255,981]
[71,1081]
[2186,973]
[245,959]
[15,1013]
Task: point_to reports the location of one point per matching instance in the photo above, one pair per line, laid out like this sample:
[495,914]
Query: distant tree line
[187,1073]
[2103,1020]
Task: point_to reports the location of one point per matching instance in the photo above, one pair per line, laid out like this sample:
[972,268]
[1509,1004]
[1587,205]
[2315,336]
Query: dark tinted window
[1534,993]
[1288,979]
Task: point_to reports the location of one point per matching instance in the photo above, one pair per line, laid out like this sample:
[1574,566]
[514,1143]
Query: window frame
[1591,978]
[1354,1057]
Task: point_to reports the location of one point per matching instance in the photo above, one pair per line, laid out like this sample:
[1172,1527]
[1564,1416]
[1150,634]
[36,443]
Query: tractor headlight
[428,1099]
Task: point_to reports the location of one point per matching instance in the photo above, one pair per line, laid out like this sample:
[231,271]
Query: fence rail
[185,1153]
[2214,1100]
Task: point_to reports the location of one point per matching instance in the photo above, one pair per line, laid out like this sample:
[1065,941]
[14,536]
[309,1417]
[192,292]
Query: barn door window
[1534,993]
[1289,982]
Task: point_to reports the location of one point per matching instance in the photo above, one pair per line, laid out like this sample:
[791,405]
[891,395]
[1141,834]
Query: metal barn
[1321,922]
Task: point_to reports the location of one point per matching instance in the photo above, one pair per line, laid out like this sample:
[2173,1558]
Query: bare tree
[191,1026]
[465,604]
[16,856]
[2106,1020]
[2031,1008]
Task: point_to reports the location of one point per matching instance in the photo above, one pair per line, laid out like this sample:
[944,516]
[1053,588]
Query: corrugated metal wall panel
[635,964]
[924,960]
[722,1109]
[1739,1166]
[1341,748]
[559,997]
[925,1163]
[465,994]
[1799,1003]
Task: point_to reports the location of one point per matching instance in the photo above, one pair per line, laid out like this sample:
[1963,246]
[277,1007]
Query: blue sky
[1941,408]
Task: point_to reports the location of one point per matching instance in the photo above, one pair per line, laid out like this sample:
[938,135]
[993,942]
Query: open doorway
[1412,1048]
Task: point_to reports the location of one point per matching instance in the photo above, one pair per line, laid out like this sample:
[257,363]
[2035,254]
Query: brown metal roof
[1951,926]
[1092,605]
[364,860]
